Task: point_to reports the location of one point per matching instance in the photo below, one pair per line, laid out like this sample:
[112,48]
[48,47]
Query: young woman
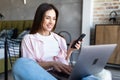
[43,50]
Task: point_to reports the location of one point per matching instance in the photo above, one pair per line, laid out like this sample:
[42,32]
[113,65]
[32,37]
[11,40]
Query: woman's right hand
[60,67]
[57,66]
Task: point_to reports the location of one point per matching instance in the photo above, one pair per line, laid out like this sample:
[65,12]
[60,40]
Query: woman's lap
[27,69]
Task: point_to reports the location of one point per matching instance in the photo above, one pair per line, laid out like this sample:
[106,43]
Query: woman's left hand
[77,45]
[70,50]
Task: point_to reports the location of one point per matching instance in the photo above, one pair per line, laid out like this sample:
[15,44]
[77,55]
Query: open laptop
[92,60]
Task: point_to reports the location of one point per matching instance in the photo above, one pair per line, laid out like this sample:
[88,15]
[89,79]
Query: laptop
[91,60]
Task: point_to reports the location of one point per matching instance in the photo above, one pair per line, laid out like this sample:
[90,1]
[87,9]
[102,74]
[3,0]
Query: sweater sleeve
[27,48]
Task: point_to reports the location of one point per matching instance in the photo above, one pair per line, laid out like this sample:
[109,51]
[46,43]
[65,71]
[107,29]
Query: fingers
[57,69]
[66,69]
[62,68]
[56,66]
[78,45]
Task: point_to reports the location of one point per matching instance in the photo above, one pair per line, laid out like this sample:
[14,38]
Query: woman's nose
[51,21]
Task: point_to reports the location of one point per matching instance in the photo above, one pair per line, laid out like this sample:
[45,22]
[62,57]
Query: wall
[87,20]
[101,14]
[70,18]
[102,9]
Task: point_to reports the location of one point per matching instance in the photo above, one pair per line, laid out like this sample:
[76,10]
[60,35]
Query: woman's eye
[54,18]
[47,17]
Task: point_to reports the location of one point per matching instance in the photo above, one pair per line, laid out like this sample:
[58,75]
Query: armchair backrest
[13,50]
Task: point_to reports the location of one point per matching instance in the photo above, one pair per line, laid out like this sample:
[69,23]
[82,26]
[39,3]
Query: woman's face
[49,21]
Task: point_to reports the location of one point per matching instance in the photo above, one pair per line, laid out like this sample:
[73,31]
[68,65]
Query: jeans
[28,69]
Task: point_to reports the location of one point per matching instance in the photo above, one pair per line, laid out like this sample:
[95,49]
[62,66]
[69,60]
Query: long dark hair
[39,16]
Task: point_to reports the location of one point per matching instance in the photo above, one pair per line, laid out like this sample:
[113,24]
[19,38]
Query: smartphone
[79,39]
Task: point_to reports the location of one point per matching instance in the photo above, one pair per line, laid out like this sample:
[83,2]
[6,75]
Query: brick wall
[101,12]
[102,9]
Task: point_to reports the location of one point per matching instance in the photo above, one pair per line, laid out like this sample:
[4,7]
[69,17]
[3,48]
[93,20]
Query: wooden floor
[10,77]
[115,74]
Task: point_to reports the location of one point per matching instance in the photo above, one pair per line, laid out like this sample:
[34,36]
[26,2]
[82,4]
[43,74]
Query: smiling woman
[44,50]
[49,21]
[42,45]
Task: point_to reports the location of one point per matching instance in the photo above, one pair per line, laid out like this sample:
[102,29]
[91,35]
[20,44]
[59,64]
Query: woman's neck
[44,33]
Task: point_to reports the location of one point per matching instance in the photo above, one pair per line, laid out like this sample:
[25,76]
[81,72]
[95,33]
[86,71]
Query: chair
[12,53]
[13,50]
[66,35]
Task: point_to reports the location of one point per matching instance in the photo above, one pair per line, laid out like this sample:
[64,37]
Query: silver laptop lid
[92,59]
